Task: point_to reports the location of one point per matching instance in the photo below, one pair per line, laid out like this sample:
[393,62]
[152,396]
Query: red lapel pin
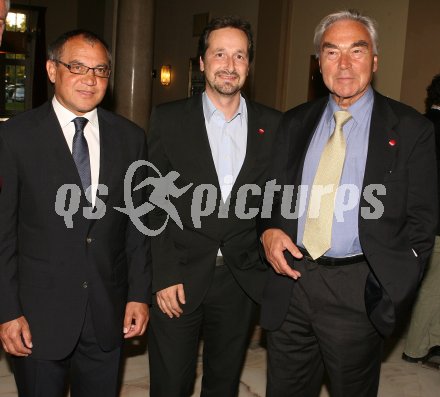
[260,131]
[392,142]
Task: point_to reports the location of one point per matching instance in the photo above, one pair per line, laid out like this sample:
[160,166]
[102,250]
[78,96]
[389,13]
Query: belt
[329,261]
[219,261]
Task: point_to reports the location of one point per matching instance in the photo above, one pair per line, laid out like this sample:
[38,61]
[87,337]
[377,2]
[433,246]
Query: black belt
[219,261]
[328,261]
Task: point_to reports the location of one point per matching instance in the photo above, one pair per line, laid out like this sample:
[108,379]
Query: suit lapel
[107,146]
[383,142]
[254,140]
[194,133]
[304,136]
[60,155]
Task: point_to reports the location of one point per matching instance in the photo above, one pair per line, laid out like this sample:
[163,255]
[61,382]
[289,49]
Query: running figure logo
[163,188]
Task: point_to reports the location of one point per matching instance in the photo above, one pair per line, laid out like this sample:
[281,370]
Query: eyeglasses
[79,68]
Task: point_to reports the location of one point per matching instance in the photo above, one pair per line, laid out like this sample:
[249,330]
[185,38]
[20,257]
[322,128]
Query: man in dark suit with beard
[71,287]
[347,268]
[208,275]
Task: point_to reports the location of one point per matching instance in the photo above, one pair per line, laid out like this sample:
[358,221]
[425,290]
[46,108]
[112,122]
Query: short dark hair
[226,22]
[433,93]
[55,50]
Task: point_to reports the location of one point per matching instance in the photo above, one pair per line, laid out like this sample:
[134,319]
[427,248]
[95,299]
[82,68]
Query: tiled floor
[398,378]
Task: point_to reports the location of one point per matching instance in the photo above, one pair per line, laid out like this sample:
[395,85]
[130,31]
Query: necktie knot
[80,123]
[341,117]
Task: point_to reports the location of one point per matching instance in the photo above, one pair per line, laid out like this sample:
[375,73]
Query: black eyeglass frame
[69,67]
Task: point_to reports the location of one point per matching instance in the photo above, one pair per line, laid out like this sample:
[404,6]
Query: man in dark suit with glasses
[70,292]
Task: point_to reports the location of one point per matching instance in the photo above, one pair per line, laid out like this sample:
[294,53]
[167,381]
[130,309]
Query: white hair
[353,15]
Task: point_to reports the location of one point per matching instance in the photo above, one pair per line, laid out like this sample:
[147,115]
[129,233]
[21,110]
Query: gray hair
[7,5]
[352,15]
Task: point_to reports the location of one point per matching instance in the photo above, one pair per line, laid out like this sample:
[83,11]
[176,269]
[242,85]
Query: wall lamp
[165,75]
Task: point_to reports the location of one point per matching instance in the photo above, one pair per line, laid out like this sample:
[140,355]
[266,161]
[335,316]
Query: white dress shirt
[91,133]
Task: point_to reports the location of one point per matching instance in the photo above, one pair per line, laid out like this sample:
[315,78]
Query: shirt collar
[209,108]
[65,116]
[437,107]
[357,110]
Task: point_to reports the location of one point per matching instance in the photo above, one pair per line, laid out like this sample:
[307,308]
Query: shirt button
[84,284]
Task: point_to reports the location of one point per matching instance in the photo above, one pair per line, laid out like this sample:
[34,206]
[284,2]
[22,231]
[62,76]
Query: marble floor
[398,378]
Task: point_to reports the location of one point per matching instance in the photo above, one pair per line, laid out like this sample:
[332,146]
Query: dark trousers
[326,328]
[224,320]
[91,371]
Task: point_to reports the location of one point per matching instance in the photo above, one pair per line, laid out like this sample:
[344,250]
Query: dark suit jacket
[48,272]
[434,116]
[407,171]
[178,141]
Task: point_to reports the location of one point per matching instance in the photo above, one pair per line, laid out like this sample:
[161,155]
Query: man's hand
[136,319]
[16,337]
[168,300]
[275,242]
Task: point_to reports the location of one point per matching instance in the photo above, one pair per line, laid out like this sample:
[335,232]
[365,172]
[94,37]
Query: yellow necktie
[318,228]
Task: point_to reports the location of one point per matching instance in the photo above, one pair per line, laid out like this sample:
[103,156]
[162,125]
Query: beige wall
[422,51]
[392,18]
[173,30]
[270,66]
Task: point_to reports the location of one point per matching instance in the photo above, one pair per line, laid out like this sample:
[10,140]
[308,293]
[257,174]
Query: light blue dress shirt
[345,233]
[228,141]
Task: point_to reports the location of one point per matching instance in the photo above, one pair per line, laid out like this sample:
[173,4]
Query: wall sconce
[165,75]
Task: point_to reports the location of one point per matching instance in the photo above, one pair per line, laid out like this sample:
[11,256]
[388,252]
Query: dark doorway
[317,88]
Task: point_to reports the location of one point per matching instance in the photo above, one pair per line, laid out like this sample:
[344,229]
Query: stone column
[133,60]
